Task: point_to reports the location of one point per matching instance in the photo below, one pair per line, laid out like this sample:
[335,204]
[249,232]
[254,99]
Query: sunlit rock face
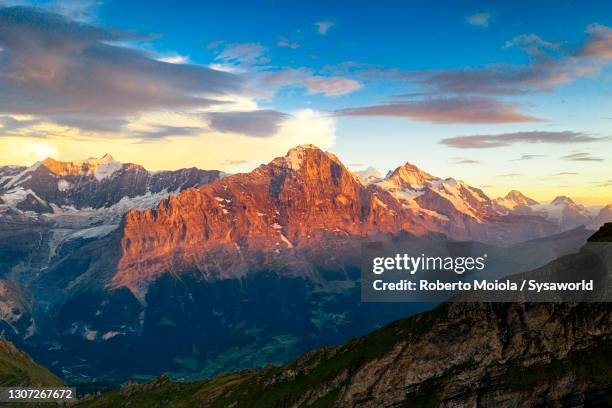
[297,206]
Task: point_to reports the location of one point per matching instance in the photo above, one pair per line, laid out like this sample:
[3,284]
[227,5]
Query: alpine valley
[110,272]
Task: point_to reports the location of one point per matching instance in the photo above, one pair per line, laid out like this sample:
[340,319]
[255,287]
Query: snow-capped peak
[13,181]
[410,176]
[106,168]
[106,158]
[520,198]
[562,200]
[515,199]
[100,168]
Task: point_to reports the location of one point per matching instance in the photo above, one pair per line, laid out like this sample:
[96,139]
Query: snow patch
[14,197]
[63,185]
[109,335]
[286,241]
[18,177]
[90,334]
[94,232]
[105,170]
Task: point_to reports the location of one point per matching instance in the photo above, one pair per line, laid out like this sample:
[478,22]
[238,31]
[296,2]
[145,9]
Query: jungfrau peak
[562,200]
[513,200]
[519,198]
[411,177]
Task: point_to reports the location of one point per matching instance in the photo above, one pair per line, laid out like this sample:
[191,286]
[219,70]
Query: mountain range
[458,354]
[103,261]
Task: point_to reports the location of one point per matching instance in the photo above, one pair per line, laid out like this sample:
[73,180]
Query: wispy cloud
[604,184]
[165,131]
[285,42]
[313,83]
[446,110]
[509,175]
[582,156]
[599,44]
[259,123]
[564,173]
[243,54]
[543,73]
[323,26]
[551,65]
[479,19]
[529,157]
[508,139]
[77,10]
[532,44]
[174,59]
[230,162]
[462,160]
[9,125]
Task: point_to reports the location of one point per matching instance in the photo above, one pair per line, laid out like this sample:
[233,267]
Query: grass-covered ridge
[18,369]
[272,386]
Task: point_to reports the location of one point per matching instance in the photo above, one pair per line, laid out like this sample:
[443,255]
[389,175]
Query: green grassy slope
[18,369]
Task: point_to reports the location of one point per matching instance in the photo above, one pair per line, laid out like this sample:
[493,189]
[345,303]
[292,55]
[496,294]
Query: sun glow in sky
[501,96]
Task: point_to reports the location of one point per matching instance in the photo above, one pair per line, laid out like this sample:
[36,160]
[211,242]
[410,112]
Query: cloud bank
[508,139]
[446,110]
[66,71]
[259,123]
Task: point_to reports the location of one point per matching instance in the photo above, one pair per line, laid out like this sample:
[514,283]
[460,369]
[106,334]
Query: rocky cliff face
[301,202]
[304,202]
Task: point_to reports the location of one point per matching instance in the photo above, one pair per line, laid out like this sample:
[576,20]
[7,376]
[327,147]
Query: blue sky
[521,90]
